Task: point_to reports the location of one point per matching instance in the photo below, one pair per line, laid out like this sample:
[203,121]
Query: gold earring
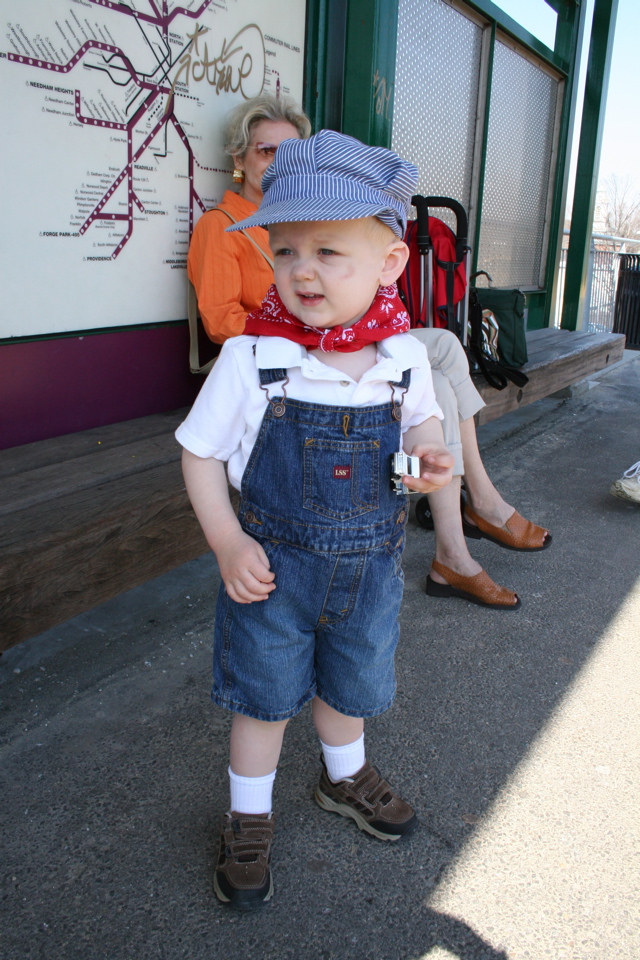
[238,175]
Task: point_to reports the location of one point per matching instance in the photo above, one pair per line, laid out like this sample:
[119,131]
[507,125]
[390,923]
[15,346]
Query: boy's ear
[396,258]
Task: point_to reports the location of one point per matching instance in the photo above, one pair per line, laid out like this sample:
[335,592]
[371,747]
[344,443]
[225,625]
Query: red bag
[444,250]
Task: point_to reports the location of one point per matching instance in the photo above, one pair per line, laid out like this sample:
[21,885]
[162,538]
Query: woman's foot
[461,565]
[477,588]
[513,533]
[491,507]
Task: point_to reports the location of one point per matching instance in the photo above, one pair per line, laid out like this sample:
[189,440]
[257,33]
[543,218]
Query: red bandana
[386,315]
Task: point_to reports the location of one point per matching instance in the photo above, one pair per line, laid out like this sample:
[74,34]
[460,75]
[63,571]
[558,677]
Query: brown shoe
[243,875]
[516,534]
[480,589]
[370,801]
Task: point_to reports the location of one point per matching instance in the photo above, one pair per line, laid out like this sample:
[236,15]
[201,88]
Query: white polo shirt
[227,414]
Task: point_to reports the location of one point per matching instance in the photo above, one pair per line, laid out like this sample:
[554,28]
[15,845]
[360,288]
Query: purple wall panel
[52,387]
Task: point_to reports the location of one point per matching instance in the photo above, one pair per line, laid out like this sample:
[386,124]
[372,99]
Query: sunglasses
[265,150]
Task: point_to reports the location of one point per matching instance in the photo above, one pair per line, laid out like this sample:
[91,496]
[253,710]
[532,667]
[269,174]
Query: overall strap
[404,386]
[271,376]
[405,382]
[277,373]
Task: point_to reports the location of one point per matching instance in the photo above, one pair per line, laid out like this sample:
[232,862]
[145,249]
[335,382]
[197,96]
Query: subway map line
[110,53]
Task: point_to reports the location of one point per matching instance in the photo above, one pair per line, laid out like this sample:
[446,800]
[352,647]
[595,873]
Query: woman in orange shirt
[231,276]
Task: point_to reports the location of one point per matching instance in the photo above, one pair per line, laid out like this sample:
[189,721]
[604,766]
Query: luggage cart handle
[422,205]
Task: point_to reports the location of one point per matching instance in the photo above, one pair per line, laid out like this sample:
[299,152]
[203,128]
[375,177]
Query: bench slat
[557,359]
[57,560]
[32,456]
[101,465]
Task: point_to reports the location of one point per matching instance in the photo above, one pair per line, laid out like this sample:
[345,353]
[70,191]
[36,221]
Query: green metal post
[371,66]
[595,98]
[475,243]
[325,63]
[568,44]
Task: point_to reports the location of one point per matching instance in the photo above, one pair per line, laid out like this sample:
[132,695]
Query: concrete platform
[515,735]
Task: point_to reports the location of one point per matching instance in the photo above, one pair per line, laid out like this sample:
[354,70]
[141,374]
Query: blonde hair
[265,107]
[378,231]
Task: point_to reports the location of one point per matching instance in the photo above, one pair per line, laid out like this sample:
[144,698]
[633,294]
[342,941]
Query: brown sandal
[479,589]
[516,534]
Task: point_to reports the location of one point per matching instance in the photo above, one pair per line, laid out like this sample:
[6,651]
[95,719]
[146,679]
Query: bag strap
[516,376]
[245,234]
[489,369]
[450,267]
[194,347]
[496,374]
[193,313]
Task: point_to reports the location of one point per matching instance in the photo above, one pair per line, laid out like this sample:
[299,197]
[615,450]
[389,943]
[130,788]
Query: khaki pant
[456,395]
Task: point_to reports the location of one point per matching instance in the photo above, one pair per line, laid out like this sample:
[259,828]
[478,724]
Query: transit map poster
[112,116]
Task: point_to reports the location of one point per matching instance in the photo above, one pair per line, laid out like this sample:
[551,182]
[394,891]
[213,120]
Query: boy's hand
[436,468]
[243,563]
[244,567]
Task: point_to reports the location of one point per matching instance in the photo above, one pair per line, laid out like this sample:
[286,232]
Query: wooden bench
[87,516]
[557,359]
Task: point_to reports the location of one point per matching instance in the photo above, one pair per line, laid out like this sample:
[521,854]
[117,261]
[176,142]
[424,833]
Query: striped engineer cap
[332,176]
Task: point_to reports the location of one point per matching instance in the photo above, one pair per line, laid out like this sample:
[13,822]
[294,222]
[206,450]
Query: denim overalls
[316,495]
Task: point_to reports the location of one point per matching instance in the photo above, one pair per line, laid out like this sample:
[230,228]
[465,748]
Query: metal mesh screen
[435,96]
[518,170]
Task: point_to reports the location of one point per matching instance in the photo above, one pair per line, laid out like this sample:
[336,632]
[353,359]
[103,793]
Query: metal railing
[627,313]
[602,283]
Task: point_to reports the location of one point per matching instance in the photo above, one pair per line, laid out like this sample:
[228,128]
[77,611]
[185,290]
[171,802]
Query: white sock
[343,761]
[251,794]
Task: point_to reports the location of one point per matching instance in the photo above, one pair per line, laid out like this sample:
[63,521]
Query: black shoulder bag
[485,335]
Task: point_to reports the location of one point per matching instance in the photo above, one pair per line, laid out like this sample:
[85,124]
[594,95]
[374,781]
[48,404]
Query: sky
[534,15]
[621,139]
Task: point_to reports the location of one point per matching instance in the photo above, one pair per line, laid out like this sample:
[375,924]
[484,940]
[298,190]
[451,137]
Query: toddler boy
[307,409]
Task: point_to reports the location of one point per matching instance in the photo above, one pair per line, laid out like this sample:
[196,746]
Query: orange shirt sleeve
[230,276]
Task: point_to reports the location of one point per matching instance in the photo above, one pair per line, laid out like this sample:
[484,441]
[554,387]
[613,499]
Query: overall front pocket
[341,477]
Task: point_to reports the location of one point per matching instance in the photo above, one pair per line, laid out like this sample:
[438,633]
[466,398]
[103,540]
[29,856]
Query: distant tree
[620,208]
